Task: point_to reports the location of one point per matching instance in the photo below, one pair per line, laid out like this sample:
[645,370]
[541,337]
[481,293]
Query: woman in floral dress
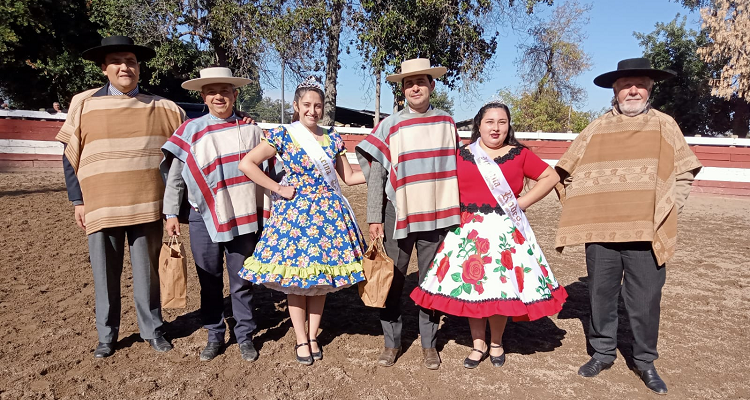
[486,269]
[311,244]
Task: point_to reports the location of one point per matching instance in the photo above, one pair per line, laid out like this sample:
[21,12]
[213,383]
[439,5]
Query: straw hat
[214,75]
[417,66]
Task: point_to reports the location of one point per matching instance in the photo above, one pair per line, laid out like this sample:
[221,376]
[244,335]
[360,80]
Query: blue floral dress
[310,245]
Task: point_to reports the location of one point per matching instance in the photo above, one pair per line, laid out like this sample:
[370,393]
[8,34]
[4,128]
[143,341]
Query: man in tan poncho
[623,181]
[113,137]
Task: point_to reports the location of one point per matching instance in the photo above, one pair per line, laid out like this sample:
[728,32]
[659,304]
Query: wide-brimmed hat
[632,67]
[214,75]
[417,66]
[116,44]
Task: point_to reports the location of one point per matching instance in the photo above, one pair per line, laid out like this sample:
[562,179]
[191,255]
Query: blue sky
[610,39]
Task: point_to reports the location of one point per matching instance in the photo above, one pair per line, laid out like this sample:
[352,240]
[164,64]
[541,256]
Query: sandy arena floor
[47,340]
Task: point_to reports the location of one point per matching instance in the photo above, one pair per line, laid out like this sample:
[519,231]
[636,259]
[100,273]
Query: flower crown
[310,83]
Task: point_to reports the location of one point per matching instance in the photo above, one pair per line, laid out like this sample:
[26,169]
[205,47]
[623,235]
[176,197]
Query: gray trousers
[629,269]
[209,263]
[400,251]
[106,251]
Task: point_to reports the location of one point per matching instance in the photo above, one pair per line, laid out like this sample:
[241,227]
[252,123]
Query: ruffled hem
[307,277]
[509,307]
[315,290]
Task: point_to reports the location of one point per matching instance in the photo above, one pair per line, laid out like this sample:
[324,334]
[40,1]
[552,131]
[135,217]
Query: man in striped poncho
[409,161]
[112,137]
[226,208]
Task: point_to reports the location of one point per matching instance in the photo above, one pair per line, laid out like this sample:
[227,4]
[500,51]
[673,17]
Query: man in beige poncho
[623,181]
[113,137]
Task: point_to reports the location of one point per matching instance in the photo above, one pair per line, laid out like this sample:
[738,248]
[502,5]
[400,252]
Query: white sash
[501,191]
[322,162]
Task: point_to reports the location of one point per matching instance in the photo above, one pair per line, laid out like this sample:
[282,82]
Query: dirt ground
[47,340]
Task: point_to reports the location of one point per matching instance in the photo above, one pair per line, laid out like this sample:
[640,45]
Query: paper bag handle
[174,239]
[379,245]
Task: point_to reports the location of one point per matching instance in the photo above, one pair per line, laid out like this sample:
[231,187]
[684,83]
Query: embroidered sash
[322,162]
[501,191]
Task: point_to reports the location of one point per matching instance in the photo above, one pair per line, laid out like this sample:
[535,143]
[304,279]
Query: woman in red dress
[486,269]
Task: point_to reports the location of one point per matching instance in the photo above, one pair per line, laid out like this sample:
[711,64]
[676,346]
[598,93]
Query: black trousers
[209,263]
[400,251]
[629,268]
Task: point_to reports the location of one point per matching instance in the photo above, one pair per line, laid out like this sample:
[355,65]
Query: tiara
[495,101]
[310,83]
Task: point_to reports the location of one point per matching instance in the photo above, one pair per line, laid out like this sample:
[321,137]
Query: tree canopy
[727,24]
[548,65]
[555,56]
[544,111]
[40,46]
[268,110]
[686,97]
[457,34]
[442,101]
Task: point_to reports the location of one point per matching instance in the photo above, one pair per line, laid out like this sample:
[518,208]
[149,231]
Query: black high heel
[471,364]
[318,355]
[308,360]
[499,360]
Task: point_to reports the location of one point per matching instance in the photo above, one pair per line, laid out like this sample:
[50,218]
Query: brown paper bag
[173,274]
[378,269]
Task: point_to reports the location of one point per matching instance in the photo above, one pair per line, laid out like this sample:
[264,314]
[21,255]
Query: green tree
[268,110]
[440,100]
[40,46]
[189,35]
[544,111]
[548,66]
[694,4]
[554,58]
[725,24]
[457,34]
[686,97]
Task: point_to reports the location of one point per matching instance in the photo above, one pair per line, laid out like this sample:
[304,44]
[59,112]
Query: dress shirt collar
[114,92]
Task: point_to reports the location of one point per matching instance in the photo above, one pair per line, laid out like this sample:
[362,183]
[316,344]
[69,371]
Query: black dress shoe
[211,350]
[498,361]
[303,360]
[248,352]
[593,368]
[160,344]
[471,364]
[104,350]
[653,381]
[318,355]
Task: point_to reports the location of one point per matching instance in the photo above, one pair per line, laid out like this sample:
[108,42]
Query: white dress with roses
[485,266]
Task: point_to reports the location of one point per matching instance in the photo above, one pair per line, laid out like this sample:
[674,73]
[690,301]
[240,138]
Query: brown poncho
[114,146]
[620,184]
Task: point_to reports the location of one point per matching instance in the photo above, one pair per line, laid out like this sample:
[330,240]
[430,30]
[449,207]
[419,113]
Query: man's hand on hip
[172,227]
[80,217]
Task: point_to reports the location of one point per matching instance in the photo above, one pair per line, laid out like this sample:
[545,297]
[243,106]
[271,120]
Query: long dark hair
[301,92]
[509,139]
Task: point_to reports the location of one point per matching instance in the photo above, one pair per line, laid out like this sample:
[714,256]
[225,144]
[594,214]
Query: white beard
[632,109]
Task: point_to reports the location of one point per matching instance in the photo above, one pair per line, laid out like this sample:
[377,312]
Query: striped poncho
[419,153]
[211,150]
[114,145]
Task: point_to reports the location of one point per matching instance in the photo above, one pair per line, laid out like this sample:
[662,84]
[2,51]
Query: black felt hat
[632,67]
[116,44]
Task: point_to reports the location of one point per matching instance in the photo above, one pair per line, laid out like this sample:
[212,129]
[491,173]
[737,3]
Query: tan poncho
[114,146]
[621,184]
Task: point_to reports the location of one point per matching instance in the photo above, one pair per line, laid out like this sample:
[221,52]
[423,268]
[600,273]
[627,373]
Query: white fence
[703,141]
